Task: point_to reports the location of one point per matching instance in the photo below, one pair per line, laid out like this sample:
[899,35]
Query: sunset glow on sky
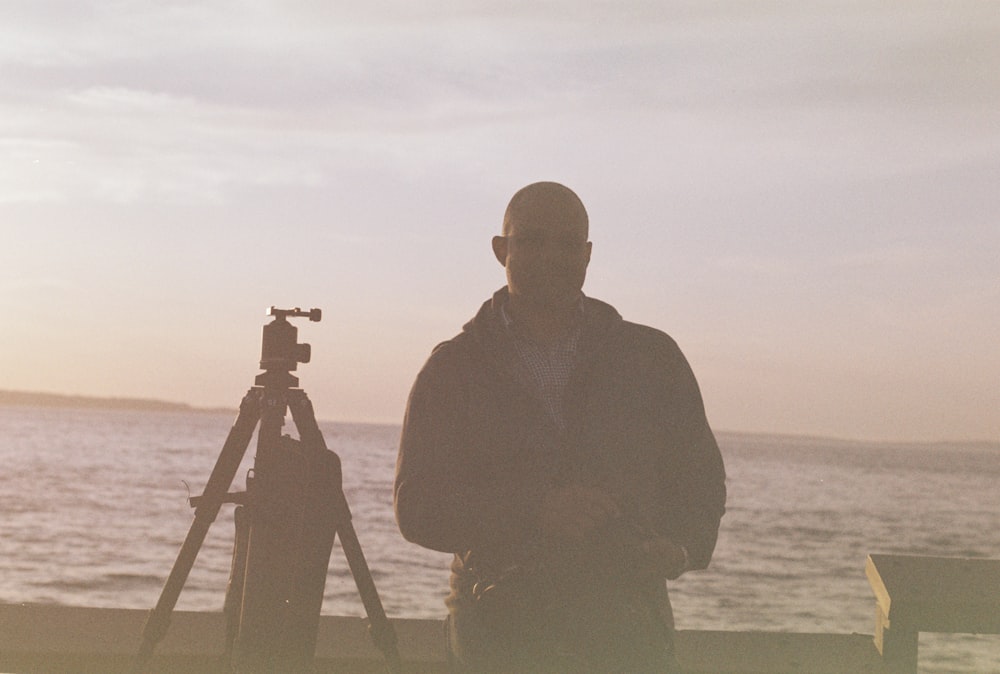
[806,196]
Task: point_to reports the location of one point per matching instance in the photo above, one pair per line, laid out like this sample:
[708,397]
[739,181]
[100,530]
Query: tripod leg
[274,508]
[381,629]
[237,575]
[269,638]
[208,508]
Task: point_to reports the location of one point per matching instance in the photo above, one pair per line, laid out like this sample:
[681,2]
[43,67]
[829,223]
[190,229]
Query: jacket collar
[487,327]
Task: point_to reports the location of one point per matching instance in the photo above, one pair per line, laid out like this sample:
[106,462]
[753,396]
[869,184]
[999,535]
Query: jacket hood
[599,321]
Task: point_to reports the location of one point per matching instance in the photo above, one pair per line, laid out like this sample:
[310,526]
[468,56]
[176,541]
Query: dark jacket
[478,452]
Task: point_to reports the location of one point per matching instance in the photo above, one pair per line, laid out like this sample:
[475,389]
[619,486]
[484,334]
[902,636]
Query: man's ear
[500,249]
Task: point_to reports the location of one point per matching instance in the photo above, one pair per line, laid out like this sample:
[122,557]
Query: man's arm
[700,497]
[694,478]
[441,498]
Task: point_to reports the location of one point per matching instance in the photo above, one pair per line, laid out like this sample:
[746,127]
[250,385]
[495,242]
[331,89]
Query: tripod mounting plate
[313,315]
[280,351]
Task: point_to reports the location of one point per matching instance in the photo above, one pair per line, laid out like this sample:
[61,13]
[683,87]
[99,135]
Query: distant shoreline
[61,400]
[38,399]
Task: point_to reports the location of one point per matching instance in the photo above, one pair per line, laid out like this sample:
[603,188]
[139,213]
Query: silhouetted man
[564,456]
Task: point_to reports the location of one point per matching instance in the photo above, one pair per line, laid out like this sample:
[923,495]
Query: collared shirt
[547,367]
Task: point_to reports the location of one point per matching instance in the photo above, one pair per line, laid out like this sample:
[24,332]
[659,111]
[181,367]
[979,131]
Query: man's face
[546,256]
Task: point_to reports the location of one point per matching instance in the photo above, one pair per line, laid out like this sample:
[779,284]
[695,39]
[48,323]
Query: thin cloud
[778,168]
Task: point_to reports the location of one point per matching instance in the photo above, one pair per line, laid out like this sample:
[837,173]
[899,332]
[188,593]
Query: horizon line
[9,397]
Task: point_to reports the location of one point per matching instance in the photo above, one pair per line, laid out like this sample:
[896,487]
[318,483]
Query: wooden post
[898,647]
[930,594]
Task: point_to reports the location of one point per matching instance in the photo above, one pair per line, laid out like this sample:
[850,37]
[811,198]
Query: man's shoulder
[458,346]
[469,338]
[641,343]
[605,319]
[649,334]
[458,355]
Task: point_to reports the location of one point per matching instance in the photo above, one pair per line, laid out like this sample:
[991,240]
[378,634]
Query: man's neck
[543,324]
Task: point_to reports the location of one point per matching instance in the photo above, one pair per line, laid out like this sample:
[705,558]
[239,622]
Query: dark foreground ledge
[56,639]
[913,594]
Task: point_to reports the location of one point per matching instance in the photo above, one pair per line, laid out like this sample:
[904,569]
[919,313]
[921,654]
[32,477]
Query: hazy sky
[805,195]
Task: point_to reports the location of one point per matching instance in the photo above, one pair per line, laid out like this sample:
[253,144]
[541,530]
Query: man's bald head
[545,251]
[546,202]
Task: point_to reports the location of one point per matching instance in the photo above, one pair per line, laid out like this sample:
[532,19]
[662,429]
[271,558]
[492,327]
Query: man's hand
[660,557]
[571,513]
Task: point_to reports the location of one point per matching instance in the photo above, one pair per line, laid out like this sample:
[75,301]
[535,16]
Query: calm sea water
[94,507]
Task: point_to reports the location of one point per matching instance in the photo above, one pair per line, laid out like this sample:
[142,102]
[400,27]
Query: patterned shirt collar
[546,368]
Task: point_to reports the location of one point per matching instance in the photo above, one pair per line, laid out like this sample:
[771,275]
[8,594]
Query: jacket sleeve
[442,498]
[694,476]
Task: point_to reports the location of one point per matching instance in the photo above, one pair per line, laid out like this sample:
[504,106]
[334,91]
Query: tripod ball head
[279,347]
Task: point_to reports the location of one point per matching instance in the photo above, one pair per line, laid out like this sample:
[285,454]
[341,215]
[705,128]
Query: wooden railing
[913,594]
[930,594]
[60,639]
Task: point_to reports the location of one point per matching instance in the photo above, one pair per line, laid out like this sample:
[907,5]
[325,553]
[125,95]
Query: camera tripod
[286,521]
